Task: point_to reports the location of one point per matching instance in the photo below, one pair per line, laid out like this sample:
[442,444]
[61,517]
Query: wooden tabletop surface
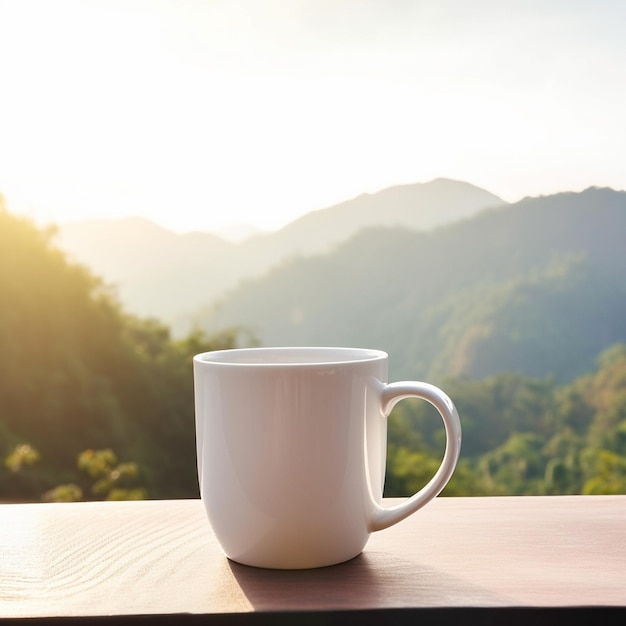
[160,558]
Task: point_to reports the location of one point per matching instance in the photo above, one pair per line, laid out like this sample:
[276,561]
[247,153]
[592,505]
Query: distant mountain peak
[237,233]
[152,264]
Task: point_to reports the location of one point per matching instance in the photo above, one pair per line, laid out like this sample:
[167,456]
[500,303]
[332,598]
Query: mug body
[291,451]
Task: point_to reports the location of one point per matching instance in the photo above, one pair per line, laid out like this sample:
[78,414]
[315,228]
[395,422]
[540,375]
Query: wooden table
[489,560]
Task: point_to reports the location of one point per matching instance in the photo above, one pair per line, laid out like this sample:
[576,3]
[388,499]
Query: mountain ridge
[161,274]
[535,287]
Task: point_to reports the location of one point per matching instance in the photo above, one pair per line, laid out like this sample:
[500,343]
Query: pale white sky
[201,113]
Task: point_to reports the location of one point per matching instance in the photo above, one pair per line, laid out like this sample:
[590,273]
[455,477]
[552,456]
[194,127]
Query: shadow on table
[369,581]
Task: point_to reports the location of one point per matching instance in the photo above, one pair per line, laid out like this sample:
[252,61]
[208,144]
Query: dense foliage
[80,378]
[77,373]
[521,436]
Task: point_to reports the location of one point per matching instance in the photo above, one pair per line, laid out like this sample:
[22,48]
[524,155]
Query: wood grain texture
[160,557]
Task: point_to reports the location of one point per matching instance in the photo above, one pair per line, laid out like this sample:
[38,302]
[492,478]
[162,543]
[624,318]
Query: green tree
[76,372]
[605,471]
[112,480]
[21,456]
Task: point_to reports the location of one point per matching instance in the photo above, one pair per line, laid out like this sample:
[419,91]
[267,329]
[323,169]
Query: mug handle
[391,394]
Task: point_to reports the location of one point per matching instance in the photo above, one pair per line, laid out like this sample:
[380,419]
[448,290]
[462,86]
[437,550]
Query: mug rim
[290,356]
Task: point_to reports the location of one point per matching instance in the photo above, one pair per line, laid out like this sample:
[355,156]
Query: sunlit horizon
[200,115]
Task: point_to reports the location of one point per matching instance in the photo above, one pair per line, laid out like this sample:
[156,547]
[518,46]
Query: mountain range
[474,288]
[163,274]
[537,287]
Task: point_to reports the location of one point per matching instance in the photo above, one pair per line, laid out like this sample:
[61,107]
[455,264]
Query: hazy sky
[201,113]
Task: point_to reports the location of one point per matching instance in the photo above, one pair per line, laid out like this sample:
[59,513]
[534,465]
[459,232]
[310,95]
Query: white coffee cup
[291,446]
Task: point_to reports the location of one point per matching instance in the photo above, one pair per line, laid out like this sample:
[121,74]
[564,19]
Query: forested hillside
[76,372]
[521,436]
[537,288]
[79,376]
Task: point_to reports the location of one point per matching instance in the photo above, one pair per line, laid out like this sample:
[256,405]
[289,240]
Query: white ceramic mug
[291,447]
